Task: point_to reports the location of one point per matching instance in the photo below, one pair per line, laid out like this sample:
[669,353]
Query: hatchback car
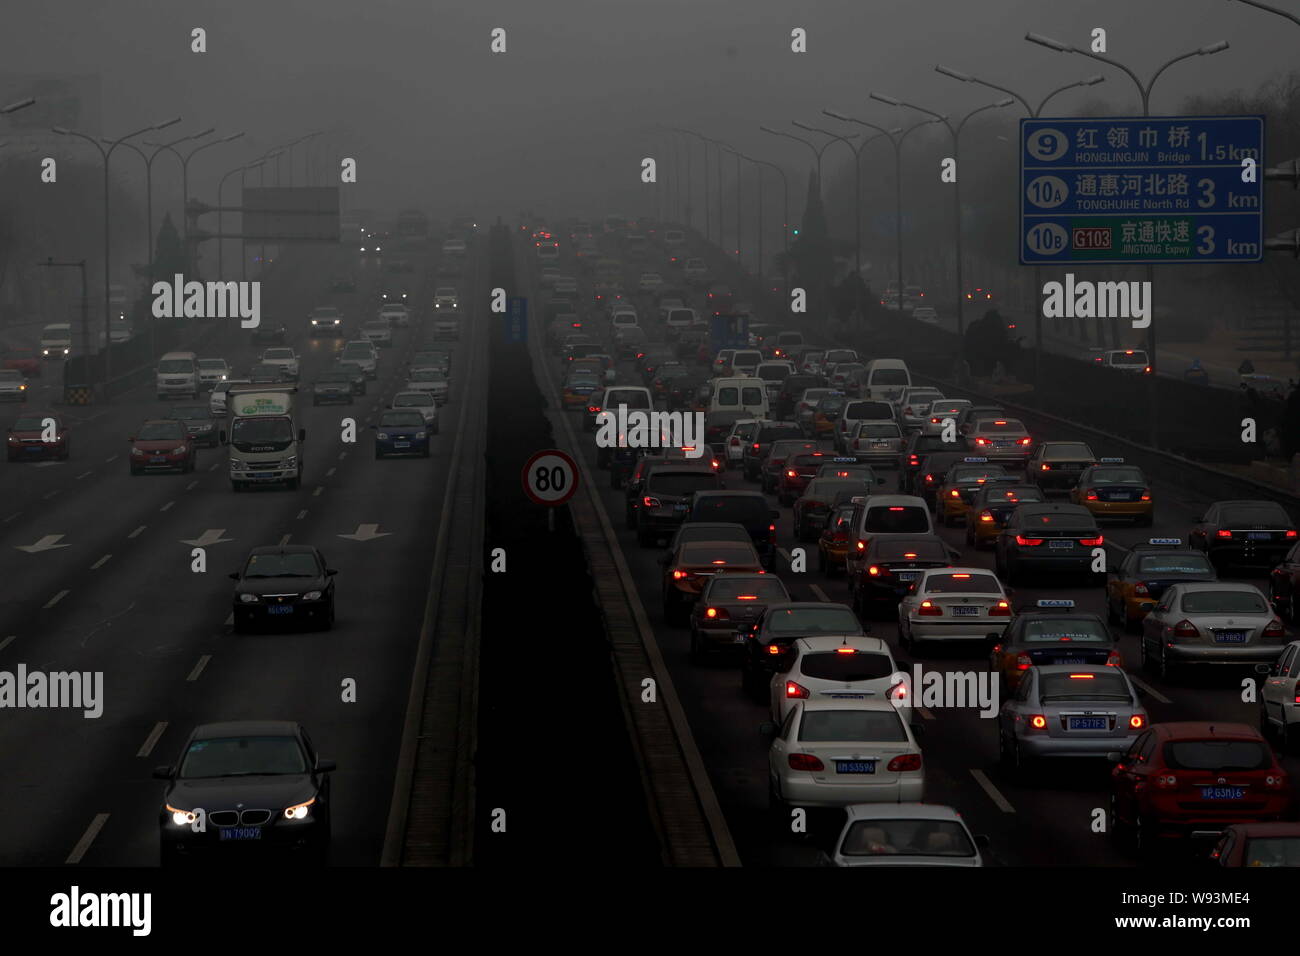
[422,402]
[162,444]
[693,564]
[283,585]
[401,432]
[908,834]
[37,438]
[838,668]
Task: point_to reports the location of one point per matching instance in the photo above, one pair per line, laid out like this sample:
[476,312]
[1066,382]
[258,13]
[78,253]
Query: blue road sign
[516,319]
[1156,189]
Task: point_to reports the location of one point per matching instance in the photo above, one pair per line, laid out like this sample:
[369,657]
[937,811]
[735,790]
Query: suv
[666,495]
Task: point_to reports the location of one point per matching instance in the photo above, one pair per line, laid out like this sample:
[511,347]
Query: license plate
[1230,637]
[259,474]
[848,696]
[241,833]
[1121,496]
[738,639]
[908,575]
[1087,723]
[880,444]
[1260,536]
[157,460]
[1062,545]
[1068,660]
[280,609]
[1002,444]
[965,611]
[401,444]
[1223,793]
[855,766]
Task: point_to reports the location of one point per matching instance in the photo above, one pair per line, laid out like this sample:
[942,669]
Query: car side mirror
[164,772]
[325,766]
[767,728]
[1263,669]
[1114,756]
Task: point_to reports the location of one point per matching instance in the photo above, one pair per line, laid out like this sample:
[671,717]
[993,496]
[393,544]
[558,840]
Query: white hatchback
[839,668]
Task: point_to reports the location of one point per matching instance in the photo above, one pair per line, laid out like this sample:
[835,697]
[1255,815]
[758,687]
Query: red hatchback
[38,437]
[1194,779]
[162,444]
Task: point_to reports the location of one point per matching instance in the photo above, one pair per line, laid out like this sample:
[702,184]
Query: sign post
[550,479]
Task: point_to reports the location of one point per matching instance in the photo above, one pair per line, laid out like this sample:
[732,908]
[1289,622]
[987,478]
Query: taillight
[897,692]
[981,441]
[1001,609]
[1091,494]
[793,690]
[1137,721]
[929,609]
[790,473]
[929,479]
[955,493]
[986,516]
[1291,533]
[1025,441]
[1045,467]
[1146,494]
[905,763]
[1028,542]
[805,762]
[1223,533]
[1093,542]
[1038,722]
[594,409]
[914,461]
[1114,660]
[679,575]
[1023,662]
[651,502]
[1141,588]
[1275,629]
[755,446]
[717,614]
[1185,628]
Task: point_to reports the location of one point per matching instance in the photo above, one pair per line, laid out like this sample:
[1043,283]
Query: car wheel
[1145,660]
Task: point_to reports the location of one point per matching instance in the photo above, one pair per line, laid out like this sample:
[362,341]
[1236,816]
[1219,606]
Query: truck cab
[264,438]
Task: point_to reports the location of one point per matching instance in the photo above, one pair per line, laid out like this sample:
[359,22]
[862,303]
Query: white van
[177,374]
[746,361]
[745,394]
[56,340]
[633,397]
[885,379]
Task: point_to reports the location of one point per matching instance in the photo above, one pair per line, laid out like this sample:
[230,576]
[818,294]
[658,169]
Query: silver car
[939,412]
[1069,710]
[1210,622]
[909,834]
[13,385]
[878,442]
[430,380]
[423,402]
[914,405]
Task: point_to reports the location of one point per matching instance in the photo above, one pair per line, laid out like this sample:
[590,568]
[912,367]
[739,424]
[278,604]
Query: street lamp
[708,226]
[1145,91]
[221,211]
[185,182]
[106,154]
[857,183]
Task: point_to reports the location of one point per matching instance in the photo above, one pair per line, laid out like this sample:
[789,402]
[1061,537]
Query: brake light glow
[905,763]
[845,650]
[1137,721]
[954,493]
[1291,532]
[929,609]
[793,690]
[874,570]
[1141,588]
[805,762]
[1023,662]
[1028,542]
[1001,609]
[1038,722]
[986,516]
[1113,659]
[896,508]
[1093,542]
[1223,533]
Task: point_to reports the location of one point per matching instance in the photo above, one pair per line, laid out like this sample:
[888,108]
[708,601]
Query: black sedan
[1047,537]
[1244,534]
[199,421]
[1053,633]
[768,641]
[288,584]
[241,787]
[269,333]
[356,375]
[333,385]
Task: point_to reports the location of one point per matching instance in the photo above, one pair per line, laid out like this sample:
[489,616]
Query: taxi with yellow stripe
[1112,489]
[964,478]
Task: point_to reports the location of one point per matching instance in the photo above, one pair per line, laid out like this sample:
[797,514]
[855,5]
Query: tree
[811,252]
[988,343]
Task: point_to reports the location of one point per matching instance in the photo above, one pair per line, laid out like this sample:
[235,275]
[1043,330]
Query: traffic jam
[905,623]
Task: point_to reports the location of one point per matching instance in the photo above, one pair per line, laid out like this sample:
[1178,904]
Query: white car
[877,442]
[839,668]
[649,281]
[217,400]
[1208,623]
[454,247]
[13,385]
[396,313]
[326,320]
[1279,698]
[909,834]
[945,604]
[914,404]
[939,412]
[423,402]
[926,314]
[446,297]
[378,332]
[742,433]
[56,340]
[623,318]
[213,370]
[679,320]
[119,330]
[363,355]
[833,753]
[284,358]
[431,380]
[668,303]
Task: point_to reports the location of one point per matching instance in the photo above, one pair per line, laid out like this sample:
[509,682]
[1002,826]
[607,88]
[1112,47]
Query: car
[217,397]
[1001,440]
[692,564]
[1068,711]
[853,412]
[833,542]
[649,282]
[325,320]
[256,782]
[401,431]
[926,480]
[696,272]
[356,376]
[285,359]
[755,453]
[956,494]
[1135,583]
[808,514]
[915,450]
[939,412]
[878,442]
[265,374]
[775,453]
[13,385]
[1112,489]
[728,603]
[21,359]
[283,584]
[119,330]
[363,355]
[914,405]
[397,314]
[891,565]
[849,667]
[422,402]
[805,407]
[1258,844]
[430,380]
[579,386]
[432,358]
[1056,465]
[734,431]
[967,416]
[446,297]
[1207,624]
[1055,633]
[38,437]
[926,314]
[446,326]
[269,332]
[332,386]
[1047,537]
[378,332]
[952,604]
[1133,361]
[748,508]
[905,834]
[833,753]
[768,640]
[213,370]
[1191,779]
[799,468]
[666,494]
[847,466]
[883,516]
[56,340]
[1244,534]
[162,444]
[200,421]
[991,506]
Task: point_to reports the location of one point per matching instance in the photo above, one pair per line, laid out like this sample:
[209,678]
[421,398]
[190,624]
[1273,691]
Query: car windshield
[380,324]
[1174,564]
[717,553]
[1058,521]
[947,408]
[28,424]
[241,757]
[392,419]
[334,377]
[291,564]
[831,405]
[897,519]
[879,430]
[160,431]
[357,352]
[1065,629]
[254,430]
[773,373]
[1224,602]
[813,620]
[1129,358]
[835,356]
[325,312]
[907,838]
[964,475]
[680,482]
[961,582]
[212,363]
[860,472]
[846,664]
[428,375]
[1116,476]
[1067,451]
[1001,426]
[272,354]
[175,366]
[765,590]
[889,376]
[1254,515]
[848,726]
[869,410]
[10,375]
[1089,686]
[628,398]
[1218,755]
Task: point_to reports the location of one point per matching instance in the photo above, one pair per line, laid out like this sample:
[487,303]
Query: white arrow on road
[211,536]
[47,543]
[366,532]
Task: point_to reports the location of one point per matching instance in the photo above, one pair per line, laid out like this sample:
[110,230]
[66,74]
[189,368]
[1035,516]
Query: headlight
[383,436]
[312,596]
[45,351]
[180,450]
[65,351]
[291,461]
[181,818]
[248,599]
[137,451]
[299,811]
[420,436]
[238,465]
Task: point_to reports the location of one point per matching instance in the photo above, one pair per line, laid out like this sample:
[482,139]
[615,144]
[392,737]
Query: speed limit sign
[550,477]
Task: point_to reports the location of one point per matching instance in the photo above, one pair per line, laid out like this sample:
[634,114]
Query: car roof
[901,811]
[875,501]
[1054,507]
[247,728]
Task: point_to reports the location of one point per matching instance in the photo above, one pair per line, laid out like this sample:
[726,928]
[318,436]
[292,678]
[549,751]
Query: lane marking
[167,507]
[821,595]
[84,474]
[100,563]
[1149,689]
[7,641]
[784,554]
[302,514]
[147,747]
[342,455]
[48,495]
[198,668]
[110,459]
[192,485]
[137,531]
[87,838]
[214,466]
[992,791]
[319,489]
[12,516]
[230,618]
[56,599]
[330,473]
[285,540]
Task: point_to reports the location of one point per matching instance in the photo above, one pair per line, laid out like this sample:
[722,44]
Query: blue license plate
[1223,793]
[241,833]
[855,766]
[1087,723]
[965,611]
[157,460]
[1229,637]
[680,507]
[1121,496]
[908,575]
[280,609]
[1068,660]
[1061,545]
[401,444]
[1260,536]
[259,474]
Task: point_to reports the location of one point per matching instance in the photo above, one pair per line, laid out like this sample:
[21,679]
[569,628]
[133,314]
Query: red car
[29,440]
[24,360]
[1259,844]
[1195,779]
[798,471]
[162,444]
